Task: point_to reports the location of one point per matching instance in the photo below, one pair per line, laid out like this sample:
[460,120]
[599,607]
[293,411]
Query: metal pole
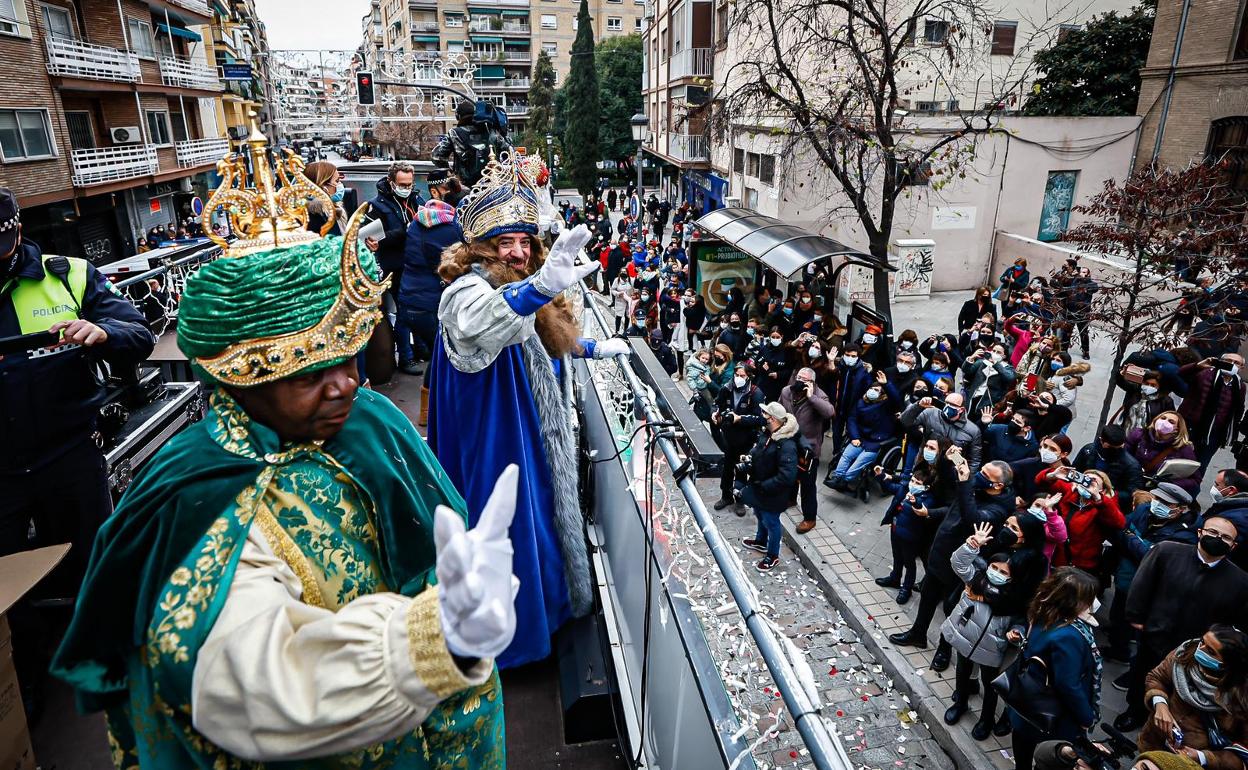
[1174,64]
[825,749]
[639,183]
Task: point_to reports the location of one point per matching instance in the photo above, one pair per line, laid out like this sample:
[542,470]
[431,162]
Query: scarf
[1191,685]
[1097,664]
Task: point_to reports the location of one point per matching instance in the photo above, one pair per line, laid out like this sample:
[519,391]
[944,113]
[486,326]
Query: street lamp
[550,163]
[641,126]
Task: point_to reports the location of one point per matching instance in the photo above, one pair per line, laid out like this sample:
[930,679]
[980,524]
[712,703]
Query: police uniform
[52,472]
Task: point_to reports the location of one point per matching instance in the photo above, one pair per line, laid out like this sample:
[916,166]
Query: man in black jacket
[988,497]
[1109,455]
[466,148]
[773,479]
[737,417]
[1229,492]
[1179,591]
[395,206]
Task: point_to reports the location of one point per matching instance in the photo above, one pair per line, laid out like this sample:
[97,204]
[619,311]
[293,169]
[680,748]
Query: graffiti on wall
[914,272]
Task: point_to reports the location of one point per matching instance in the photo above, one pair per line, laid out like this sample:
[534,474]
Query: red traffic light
[364,80]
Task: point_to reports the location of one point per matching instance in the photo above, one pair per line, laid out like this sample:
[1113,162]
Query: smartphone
[1218,363]
[1075,477]
[1032,383]
[1176,735]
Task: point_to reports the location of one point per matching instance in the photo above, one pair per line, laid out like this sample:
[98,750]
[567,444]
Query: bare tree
[1168,227]
[830,78]
[410,139]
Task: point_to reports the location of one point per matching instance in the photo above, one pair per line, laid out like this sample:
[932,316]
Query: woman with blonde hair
[1090,510]
[326,176]
[1164,439]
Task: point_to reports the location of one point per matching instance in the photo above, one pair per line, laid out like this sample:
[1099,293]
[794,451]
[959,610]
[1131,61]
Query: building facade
[1207,114]
[240,50]
[108,121]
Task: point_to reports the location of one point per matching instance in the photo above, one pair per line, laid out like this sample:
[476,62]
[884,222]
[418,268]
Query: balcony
[76,59]
[506,83]
[516,110]
[195,6]
[201,152]
[517,55]
[112,164]
[688,147]
[691,63]
[424,26]
[503,27]
[184,73]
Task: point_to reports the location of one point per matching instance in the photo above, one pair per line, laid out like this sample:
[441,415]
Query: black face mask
[1214,546]
[1007,538]
[1013,428]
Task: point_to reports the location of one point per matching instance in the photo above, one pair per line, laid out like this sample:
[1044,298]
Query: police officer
[52,472]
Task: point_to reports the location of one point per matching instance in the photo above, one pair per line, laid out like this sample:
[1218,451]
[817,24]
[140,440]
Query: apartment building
[240,49]
[108,119]
[501,37]
[1207,114]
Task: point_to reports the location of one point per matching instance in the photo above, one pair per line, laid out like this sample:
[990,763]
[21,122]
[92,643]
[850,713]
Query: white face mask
[739,381]
[402,192]
[775,341]
[814,352]
[906,344]
[1148,390]
[850,360]
[1048,456]
[903,368]
[998,358]
[869,339]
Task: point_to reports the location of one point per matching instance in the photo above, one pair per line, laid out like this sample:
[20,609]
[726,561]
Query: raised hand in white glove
[560,269]
[610,348]
[476,587]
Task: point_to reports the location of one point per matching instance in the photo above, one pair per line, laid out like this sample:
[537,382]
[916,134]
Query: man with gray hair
[810,405]
[947,422]
[395,205]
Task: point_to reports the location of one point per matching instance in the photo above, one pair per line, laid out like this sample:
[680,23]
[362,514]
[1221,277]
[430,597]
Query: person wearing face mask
[1179,591]
[773,462]
[806,401]
[941,345]
[975,308]
[1200,690]
[1214,405]
[325,175]
[946,422]
[1012,440]
[1034,368]
[809,353]
[1060,634]
[732,333]
[737,418]
[902,374]
[1053,453]
[1050,416]
[693,313]
[1108,454]
[1092,516]
[1166,518]
[395,205]
[1142,401]
[871,422]
[988,376]
[1229,496]
[875,348]
[1165,439]
[850,381]
[775,366]
[670,305]
[908,530]
[1066,369]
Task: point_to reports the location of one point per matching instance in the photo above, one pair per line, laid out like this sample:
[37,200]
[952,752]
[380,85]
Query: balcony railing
[516,109]
[201,152]
[692,62]
[184,73]
[688,147]
[501,83]
[493,25]
[194,5]
[517,55]
[111,164]
[425,26]
[76,59]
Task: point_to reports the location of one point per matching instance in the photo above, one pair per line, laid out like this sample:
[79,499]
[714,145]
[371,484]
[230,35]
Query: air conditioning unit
[126,135]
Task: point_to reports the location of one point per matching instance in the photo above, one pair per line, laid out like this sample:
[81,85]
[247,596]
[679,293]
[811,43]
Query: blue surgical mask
[996,578]
[917,489]
[1083,492]
[788,311]
[1056,365]
[340,192]
[1159,510]
[929,455]
[850,360]
[1038,513]
[1207,661]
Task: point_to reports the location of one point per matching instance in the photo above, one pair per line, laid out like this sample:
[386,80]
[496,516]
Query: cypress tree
[580,139]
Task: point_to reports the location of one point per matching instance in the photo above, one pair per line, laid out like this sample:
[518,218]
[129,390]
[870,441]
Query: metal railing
[110,164]
[185,73]
[500,83]
[201,152]
[76,59]
[517,55]
[817,732]
[156,292]
[194,5]
[688,147]
[692,62]
[516,109]
[425,26]
[494,25]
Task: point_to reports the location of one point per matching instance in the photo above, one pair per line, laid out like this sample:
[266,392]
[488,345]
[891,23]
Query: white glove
[560,270]
[476,588]
[610,348]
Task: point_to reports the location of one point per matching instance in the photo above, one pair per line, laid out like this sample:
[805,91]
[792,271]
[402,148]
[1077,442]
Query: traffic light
[364,88]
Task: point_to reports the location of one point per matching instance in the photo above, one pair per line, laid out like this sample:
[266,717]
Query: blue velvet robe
[493,413]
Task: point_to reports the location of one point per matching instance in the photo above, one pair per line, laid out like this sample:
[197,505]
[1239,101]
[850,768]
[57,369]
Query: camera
[1075,477]
[745,468]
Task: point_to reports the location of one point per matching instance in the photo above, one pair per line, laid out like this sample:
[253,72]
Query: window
[614,24]
[751,164]
[550,21]
[1228,141]
[57,22]
[454,20]
[1241,42]
[10,22]
[637,24]
[721,25]
[767,169]
[738,160]
[25,134]
[158,126]
[178,122]
[81,136]
[1003,35]
[550,49]
[164,44]
[140,33]
[929,106]
[1065,29]
[935,31]
[751,198]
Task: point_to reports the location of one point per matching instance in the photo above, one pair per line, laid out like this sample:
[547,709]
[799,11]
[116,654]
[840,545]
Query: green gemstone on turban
[240,299]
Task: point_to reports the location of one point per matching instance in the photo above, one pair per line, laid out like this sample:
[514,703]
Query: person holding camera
[770,478]
[737,417]
[987,376]
[1214,404]
[806,401]
[946,422]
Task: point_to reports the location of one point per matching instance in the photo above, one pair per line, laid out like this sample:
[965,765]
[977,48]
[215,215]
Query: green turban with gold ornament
[281,301]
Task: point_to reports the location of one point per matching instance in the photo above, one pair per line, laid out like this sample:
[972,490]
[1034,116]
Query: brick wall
[1212,26]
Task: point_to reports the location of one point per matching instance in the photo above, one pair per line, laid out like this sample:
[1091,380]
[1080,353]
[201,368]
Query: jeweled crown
[504,200]
[265,216]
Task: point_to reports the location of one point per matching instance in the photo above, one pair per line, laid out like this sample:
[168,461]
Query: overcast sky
[332,24]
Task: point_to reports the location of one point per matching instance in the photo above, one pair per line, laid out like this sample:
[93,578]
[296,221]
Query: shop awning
[783,248]
[525,14]
[517,44]
[486,39]
[484,10]
[490,72]
[179,31]
[426,38]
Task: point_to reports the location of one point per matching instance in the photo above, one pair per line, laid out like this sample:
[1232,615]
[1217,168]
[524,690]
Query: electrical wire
[649,578]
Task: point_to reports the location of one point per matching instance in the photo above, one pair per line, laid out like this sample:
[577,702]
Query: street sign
[236,72]
[197,206]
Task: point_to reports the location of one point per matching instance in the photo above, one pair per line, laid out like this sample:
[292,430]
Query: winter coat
[667,359]
[694,371]
[1211,424]
[747,406]
[964,433]
[812,413]
[1015,278]
[434,228]
[1160,360]
[735,339]
[1141,534]
[900,382]
[1071,668]
[1235,509]
[774,359]
[774,468]
[959,520]
[906,524]
[1191,720]
[1088,524]
[1057,384]
[849,383]
[695,316]
[975,375]
[1121,467]
[396,214]
[1152,406]
[1033,362]
[1022,341]
[1148,449]
[945,343]
[872,422]
[973,629]
[1000,445]
[972,311]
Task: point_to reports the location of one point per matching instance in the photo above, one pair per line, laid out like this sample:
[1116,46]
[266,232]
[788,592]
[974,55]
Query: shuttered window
[1003,35]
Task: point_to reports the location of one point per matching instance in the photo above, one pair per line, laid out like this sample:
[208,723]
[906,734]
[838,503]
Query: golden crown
[504,200]
[265,217]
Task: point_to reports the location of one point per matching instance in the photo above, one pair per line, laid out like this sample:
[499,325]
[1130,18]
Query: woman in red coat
[1091,514]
